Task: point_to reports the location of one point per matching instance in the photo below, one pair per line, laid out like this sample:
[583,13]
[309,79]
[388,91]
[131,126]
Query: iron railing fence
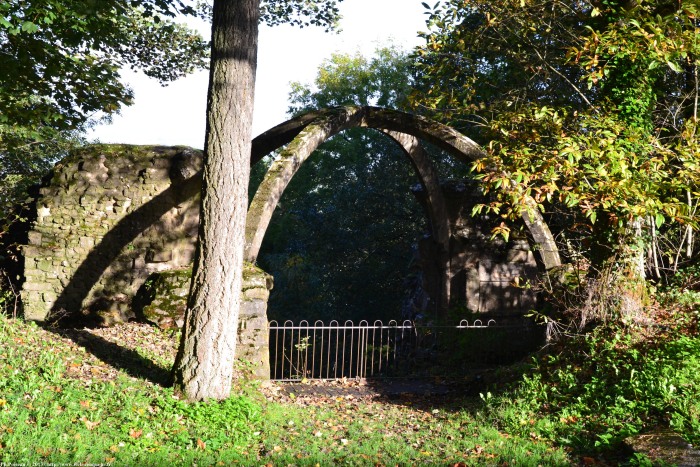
[364,350]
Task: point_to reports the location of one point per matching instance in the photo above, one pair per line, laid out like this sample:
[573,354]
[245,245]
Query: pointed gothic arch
[301,136]
[304,134]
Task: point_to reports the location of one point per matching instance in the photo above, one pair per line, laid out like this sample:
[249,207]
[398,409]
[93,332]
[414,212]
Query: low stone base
[163,299]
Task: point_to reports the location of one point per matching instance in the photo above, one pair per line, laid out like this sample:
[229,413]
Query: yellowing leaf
[88,424]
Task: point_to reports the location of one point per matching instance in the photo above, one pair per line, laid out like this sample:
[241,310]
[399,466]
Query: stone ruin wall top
[108,216]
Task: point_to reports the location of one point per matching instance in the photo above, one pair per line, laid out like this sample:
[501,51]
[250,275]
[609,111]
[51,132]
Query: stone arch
[304,134]
[139,211]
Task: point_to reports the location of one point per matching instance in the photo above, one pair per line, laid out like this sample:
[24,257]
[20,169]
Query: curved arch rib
[308,131]
[436,206]
[285,166]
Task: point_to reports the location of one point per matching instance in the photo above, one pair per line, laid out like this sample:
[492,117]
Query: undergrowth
[579,399]
[591,391]
[49,416]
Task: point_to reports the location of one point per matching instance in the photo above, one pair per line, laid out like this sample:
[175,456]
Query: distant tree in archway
[340,243]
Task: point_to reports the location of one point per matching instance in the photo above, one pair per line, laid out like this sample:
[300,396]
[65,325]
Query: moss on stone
[162,299]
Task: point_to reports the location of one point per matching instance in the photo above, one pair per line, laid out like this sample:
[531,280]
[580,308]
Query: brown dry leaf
[43,452]
[88,424]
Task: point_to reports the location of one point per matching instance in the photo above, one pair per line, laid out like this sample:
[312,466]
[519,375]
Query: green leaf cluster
[604,387]
[322,13]
[61,59]
[589,107]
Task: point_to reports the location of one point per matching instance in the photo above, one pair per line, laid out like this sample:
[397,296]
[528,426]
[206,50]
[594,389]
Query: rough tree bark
[204,364]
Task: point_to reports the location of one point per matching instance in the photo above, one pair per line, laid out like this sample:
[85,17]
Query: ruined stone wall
[108,216]
[482,271]
[163,299]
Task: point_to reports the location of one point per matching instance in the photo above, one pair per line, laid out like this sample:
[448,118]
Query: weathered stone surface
[91,238]
[162,300]
[664,447]
[481,273]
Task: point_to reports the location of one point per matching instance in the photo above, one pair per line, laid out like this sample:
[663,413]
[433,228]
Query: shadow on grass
[447,394]
[115,355]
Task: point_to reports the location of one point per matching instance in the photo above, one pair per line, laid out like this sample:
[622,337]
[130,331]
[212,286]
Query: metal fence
[364,350]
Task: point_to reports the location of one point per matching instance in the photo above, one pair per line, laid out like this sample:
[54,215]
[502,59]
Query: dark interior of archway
[341,243]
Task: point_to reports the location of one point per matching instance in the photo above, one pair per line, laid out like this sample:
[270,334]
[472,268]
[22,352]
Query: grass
[59,403]
[380,433]
[48,415]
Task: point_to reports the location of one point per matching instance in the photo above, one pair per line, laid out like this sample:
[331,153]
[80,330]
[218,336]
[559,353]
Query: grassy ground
[98,396]
[61,403]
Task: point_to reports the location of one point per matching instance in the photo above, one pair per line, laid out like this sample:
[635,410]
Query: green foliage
[606,170]
[590,108]
[339,244]
[47,415]
[61,59]
[383,80]
[605,386]
[323,13]
[683,293]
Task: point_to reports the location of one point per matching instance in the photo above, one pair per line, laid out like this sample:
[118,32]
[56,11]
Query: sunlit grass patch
[46,415]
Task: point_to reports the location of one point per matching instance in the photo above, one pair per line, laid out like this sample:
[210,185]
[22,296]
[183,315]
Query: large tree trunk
[204,365]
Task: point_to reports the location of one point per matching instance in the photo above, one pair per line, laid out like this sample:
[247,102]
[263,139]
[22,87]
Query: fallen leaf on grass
[88,424]
[43,452]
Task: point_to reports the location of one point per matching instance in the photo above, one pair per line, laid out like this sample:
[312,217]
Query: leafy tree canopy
[61,59]
[590,107]
[61,62]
